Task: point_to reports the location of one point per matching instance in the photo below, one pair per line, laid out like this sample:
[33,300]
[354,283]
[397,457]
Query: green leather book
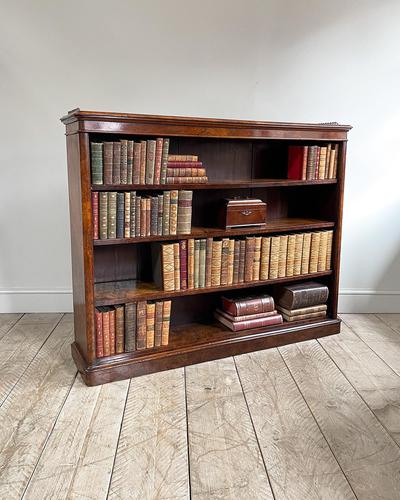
[97,162]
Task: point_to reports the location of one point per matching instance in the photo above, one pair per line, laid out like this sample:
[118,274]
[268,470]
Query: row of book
[130,327]
[299,302]
[313,162]
[126,215]
[143,162]
[202,263]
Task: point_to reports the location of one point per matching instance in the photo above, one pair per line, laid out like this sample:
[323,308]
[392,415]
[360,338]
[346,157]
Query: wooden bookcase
[246,158]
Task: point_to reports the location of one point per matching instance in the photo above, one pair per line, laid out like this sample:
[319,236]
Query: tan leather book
[150,161]
[141,328]
[231,256]
[314,251]
[190,263]
[323,249]
[173,212]
[305,257]
[249,258]
[242,260]
[129,162]
[127,215]
[224,261]
[302,317]
[196,263]
[164,266]
[209,242]
[157,161]
[265,254]
[166,322]
[202,263]
[302,310]
[143,155]
[328,159]
[216,263]
[282,259]
[304,166]
[332,162]
[328,264]
[158,323]
[138,218]
[148,216]
[298,252]
[166,211]
[137,151]
[184,225]
[236,257]
[119,329]
[106,330]
[124,162]
[143,225]
[132,225]
[274,257]
[177,267]
[290,255]
[150,324]
[322,162]
[257,258]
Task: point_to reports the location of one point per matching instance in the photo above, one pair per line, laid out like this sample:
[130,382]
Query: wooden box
[243,212]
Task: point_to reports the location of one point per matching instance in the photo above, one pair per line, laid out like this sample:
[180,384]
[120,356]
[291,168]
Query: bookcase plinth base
[141,363]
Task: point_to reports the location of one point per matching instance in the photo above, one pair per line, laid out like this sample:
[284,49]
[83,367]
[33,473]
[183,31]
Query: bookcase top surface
[107,122]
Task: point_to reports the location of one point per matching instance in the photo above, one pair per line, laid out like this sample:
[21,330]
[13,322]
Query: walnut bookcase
[247,158]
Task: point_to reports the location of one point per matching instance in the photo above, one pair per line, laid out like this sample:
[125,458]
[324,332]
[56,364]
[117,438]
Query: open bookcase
[243,158]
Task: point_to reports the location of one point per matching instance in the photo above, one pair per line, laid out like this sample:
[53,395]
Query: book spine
[242,260]
[224,261]
[143,157]
[246,317]
[154,216]
[187,180]
[249,258]
[112,331]
[97,162]
[253,323]
[166,322]
[190,263]
[177,267]
[183,264]
[167,265]
[138,217]
[119,329]
[103,215]
[304,165]
[302,310]
[257,258]
[99,333]
[143,229]
[298,251]
[108,162]
[322,252]
[329,251]
[127,214]
[106,332]
[132,229]
[158,160]
[166,211]
[184,224]
[283,246]
[242,307]
[130,327]
[335,162]
[305,257]
[310,162]
[173,213]
[150,324]
[316,162]
[148,215]
[164,161]
[322,162]
[209,243]
[236,257]
[216,263]
[183,158]
[124,162]
[112,215]
[196,263]
[120,215]
[141,325]
[314,251]
[186,172]
[301,317]
[185,164]
[95,215]
[274,257]
[265,253]
[202,263]
[116,163]
[290,255]
[160,214]
[137,155]
[231,256]
[129,159]
[150,161]
[158,323]
[328,159]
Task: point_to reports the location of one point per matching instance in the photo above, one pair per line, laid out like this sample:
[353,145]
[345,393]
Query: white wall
[270,60]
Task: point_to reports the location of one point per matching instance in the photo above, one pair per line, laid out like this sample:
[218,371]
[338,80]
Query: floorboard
[7,321]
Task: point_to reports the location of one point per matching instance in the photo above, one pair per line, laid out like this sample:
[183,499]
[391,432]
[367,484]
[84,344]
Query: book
[332,159]
[265,255]
[129,162]
[127,214]
[296,157]
[141,325]
[216,263]
[166,205]
[137,159]
[185,164]
[190,263]
[316,162]
[243,306]
[316,315]
[231,257]
[274,257]
[143,159]
[164,161]
[112,215]
[237,326]
[185,172]
[119,329]
[108,155]
[245,317]
[183,158]
[160,214]
[301,295]
[150,324]
[184,215]
[158,323]
[166,322]
[305,257]
[130,327]
[132,203]
[120,215]
[196,263]
[154,216]
[209,243]
[328,264]
[202,263]
[302,310]
[96,150]
[177,266]
[124,162]
[150,161]
[315,239]
[323,250]
[282,258]
[148,215]
[163,265]
[298,253]
[311,158]
[322,162]
[236,260]
[183,264]
[290,255]
[187,180]
[143,218]
[157,161]
[105,312]
[103,215]
[98,318]
[173,213]
[249,258]
[95,215]
[116,168]
[242,260]
[304,167]
[138,216]
[257,258]
[112,331]
[224,261]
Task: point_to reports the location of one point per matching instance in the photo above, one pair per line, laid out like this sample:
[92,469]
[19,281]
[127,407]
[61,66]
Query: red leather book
[95,214]
[183,263]
[237,326]
[185,164]
[248,305]
[157,164]
[247,317]
[99,333]
[112,331]
[106,331]
[295,162]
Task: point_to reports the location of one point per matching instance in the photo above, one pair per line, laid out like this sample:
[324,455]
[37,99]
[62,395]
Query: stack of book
[249,312]
[313,162]
[208,263]
[129,162]
[126,215]
[131,327]
[185,169]
[302,301]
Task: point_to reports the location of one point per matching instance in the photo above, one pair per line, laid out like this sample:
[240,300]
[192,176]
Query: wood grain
[20,345]
[151,458]
[298,459]
[7,321]
[372,378]
[225,461]
[366,453]
[392,320]
[28,414]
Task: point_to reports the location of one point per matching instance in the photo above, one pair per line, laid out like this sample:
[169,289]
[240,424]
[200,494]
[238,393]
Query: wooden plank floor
[314,420]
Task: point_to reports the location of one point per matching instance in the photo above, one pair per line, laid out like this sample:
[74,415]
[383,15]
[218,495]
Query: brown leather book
[173,212]
[143,220]
[148,215]
[150,161]
[224,261]
[290,255]
[177,267]
[183,263]
[106,330]
[112,330]
[265,253]
[132,228]
[185,164]
[124,161]
[209,242]
[302,310]
[190,263]
[98,316]
[157,162]
[305,258]
[130,153]
[154,215]
[130,327]
[216,263]
[302,317]
[150,324]
[137,152]
[249,258]
[274,257]
[119,329]
[283,248]
[111,214]
[127,214]
[184,224]
[202,263]
[166,211]
[257,258]
[245,317]
[237,326]
[231,256]
[328,264]
[141,325]
[158,323]
[236,257]
[160,214]
[301,295]
[248,305]
[242,260]
[166,322]
[108,162]
[120,214]
[196,263]
[298,252]
[95,215]
[138,216]
[315,239]
[116,170]
[143,156]
[164,161]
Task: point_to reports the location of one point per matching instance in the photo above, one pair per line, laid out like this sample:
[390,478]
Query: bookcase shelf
[242,158]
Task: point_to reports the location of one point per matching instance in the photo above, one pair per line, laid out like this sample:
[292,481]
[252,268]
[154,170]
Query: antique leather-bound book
[164,161]
[237,326]
[315,240]
[322,162]
[302,317]
[143,158]
[184,224]
[245,317]
[160,214]
[103,215]
[187,180]
[297,157]
[298,252]
[129,160]
[202,263]
[127,214]
[274,257]
[236,258]
[112,330]
[209,243]
[150,324]
[183,263]
[185,164]
[137,159]
[108,162]
[248,305]
[119,328]
[138,217]
[141,325]
[183,158]
[185,172]
[105,311]
[116,163]
[154,215]
[132,203]
[242,260]
[173,212]
[231,256]
[265,255]
[196,263]
[323,249]
[290,255]
[216,263]
[158,323]
[150,161]
[224,261]
[301,295]
[99,333]
[96,149]
[257,258]
[283,247]
[312,153]
[166,322]
[166,211]
[302,310]
[148,215]
[157,161]
[95,215]
[130,327]
[163,265]
[249,258]
[120,215]
[190,263]
[143,219]
[112,215]
[124,161]
[305,259]
[329,250]
[177,267]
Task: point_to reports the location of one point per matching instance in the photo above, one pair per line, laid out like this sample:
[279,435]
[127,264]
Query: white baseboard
[60,300]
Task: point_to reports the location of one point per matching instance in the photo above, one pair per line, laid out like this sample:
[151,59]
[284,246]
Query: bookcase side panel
[81,242]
